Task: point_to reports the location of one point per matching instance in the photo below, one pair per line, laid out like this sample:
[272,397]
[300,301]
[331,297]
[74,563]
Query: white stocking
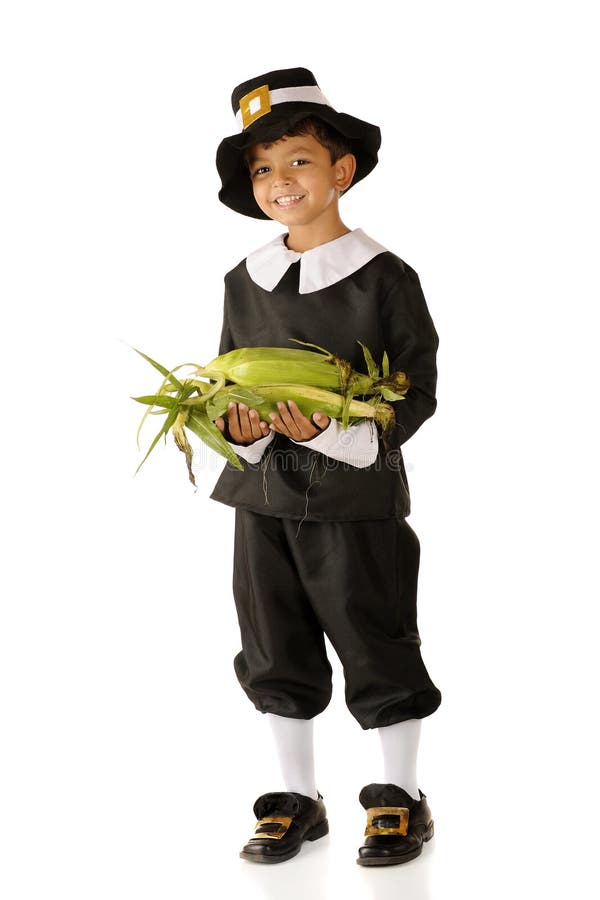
[400,743]
[295,747]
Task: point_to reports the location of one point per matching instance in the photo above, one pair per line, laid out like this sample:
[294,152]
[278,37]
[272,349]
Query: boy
[351,571]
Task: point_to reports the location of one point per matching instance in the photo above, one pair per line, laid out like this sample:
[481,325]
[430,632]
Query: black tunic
[380,304]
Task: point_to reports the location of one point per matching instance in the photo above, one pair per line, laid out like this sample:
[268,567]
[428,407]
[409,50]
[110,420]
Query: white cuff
[252,453]
[357,445]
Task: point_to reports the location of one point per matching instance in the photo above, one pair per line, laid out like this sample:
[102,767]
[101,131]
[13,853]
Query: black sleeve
[226,344]
[411,342]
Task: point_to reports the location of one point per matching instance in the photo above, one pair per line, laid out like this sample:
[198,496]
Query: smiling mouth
[289,200]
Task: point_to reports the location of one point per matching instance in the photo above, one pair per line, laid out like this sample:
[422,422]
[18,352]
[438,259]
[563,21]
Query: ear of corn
[266,365]
[261,377]
[308,398]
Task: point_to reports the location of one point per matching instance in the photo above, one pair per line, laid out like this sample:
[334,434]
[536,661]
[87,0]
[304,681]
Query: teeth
[289,198]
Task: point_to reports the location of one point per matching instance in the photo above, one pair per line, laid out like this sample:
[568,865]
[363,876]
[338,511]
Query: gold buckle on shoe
[283,821]
[374,812]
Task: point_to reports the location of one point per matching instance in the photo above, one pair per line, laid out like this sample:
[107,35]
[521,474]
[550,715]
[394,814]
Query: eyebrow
[295,150]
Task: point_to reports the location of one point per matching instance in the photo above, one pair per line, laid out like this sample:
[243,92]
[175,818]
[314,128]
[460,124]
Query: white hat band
[259,101]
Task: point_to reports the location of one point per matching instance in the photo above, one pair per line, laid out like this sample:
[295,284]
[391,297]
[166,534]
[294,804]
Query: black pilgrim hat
[265,108]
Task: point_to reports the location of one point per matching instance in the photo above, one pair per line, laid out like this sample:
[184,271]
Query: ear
[345,168]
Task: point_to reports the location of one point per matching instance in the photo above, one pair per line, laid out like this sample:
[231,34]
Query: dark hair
[324,133]
[328,136]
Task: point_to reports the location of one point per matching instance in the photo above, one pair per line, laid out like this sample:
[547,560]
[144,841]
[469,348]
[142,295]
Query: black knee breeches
[356,582]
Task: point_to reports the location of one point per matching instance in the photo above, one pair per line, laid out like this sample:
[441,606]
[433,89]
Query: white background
[130,755]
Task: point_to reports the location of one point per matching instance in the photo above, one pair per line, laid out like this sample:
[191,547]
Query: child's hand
[294,424]
[244,426]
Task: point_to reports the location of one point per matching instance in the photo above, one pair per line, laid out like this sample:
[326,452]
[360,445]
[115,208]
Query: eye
[264,168]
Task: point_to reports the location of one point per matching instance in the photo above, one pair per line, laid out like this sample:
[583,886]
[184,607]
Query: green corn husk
[263,398]
[262,377]
[266,365]
[250,366]
[200,418]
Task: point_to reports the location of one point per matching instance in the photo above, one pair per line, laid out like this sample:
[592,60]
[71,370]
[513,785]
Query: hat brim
[236,191]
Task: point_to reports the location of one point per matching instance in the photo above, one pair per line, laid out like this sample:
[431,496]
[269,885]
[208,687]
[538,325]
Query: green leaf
[164,401]
[356,420]
[388,394]
[178,385]
[306,344]
[219,403]
[158,400]
[198,422]
[346,408]
[165,428]
[372,367]
[385,364]
[148,411]
[238,394]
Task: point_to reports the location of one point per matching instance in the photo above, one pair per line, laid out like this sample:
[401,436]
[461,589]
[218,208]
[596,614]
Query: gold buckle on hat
[254,104]
[375,811]
[274,820]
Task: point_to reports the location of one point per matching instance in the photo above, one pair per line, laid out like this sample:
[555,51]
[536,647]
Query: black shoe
[397,825]
[285,821]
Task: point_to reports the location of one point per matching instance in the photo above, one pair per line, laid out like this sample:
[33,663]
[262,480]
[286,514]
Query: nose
[280,175]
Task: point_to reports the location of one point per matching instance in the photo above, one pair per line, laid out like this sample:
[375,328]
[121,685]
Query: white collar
[320,267]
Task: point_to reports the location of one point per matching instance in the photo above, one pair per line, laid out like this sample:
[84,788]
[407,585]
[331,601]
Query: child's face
[298,165]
